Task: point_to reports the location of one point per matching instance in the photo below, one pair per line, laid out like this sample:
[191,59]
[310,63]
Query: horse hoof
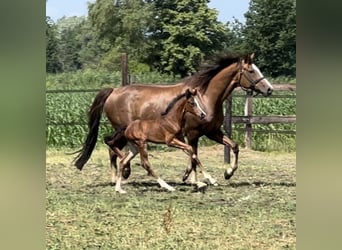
[228,174]
[126,172]
[201,187]
[121,191]
[185,176]
[210,181]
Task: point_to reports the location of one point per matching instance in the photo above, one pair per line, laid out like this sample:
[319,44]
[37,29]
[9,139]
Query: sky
[228,9]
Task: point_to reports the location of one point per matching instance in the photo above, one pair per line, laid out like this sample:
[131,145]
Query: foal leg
[219,137]
[191,169]
[123,162]
[142,147]
[188,150]
[206,175]
[115,143]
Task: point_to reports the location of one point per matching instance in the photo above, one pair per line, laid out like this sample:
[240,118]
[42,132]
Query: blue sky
[227,8]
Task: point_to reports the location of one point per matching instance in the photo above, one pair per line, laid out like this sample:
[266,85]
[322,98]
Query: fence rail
[263,119]
[248,119]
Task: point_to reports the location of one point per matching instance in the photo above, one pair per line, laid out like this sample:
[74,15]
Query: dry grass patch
[254,210]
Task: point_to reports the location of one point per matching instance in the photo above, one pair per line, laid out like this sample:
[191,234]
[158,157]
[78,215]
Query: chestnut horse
[214,82]
[165,129]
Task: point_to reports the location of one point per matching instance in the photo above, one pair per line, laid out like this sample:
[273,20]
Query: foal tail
[94,117]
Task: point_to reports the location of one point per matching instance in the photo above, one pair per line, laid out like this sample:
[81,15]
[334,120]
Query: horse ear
[251,57]
[246,59]
[188,93]
[193,91]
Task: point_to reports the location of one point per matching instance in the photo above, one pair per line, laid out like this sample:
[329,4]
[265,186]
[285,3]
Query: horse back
[145,102]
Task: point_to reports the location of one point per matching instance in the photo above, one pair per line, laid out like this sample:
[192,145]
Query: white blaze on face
[266,83]
[199,106]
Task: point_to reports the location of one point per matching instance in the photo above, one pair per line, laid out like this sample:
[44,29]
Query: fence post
[248,126]
[228,127]
[124,69]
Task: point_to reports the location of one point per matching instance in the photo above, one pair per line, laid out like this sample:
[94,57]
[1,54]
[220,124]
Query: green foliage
[270,32]
[172,36]
[123,27]
[85,79]
[53,64]
[95,79]
[168,36]
[66,115]
[189,32]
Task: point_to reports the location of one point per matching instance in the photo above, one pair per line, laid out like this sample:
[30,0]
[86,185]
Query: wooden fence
[248,119]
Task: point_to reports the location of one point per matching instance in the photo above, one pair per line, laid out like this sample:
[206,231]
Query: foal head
[193,104]
[189,101]
[251,78]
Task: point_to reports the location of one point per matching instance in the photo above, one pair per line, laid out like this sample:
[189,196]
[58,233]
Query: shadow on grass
[261,184]
[182,186]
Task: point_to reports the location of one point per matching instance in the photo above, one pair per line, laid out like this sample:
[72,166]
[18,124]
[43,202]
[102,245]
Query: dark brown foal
[165,129]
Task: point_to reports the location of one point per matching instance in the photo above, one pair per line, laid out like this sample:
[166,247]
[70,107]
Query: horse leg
[206,175]
[123,162]
[191,169]
[110,141]
[115,143]
[189,150]
[142,147]
[219,137]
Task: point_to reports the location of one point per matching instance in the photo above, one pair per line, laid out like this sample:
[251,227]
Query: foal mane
[206,72]
[172,103]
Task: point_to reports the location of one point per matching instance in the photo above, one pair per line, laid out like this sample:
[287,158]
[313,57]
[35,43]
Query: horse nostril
[202,116]
[269,91]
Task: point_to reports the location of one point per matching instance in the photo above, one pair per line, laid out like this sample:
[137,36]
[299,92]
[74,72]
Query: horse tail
[94,117]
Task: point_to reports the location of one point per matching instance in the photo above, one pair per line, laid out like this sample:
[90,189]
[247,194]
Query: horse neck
[221,85]
[176,114]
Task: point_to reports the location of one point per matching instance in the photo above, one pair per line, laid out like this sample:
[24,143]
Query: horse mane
[207,71]
[172,103]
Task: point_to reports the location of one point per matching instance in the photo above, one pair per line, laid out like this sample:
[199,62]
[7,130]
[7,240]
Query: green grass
[254,210]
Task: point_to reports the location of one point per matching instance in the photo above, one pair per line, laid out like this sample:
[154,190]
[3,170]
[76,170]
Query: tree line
[171,36]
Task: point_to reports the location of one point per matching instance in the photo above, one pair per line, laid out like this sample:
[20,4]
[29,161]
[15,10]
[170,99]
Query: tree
[187,32]
[124,27]
[69,33]
[270,32]
[235,37]
[172,36]
[53,64]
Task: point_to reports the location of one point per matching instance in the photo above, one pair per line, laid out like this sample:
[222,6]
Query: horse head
[194,104]
[250,77]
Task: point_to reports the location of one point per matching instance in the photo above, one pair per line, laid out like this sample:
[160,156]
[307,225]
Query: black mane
[172,103]
[202,78]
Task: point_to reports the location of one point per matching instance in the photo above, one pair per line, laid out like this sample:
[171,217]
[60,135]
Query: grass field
[254,210]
